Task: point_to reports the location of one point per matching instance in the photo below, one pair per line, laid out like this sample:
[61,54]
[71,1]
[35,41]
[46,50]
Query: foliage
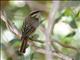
[17,14]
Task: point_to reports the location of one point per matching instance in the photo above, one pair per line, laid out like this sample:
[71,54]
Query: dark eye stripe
[34,13]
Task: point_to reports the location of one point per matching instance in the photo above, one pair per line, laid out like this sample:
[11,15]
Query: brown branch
[54,54]
[10,25]
[51,19]
[59,55]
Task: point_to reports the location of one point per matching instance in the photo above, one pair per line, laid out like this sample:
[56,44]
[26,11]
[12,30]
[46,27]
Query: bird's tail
[23,46]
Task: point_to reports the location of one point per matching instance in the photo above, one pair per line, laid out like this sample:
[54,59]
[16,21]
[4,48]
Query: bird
[29,26]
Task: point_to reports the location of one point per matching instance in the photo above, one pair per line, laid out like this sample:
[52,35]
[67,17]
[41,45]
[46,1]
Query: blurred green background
[66,29]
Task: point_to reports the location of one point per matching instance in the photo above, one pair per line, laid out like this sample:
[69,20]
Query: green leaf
[73,24]
[71,34]
[67,40]
[68,12]
[39,56]
[15,43]
[2,25]
[57,19]
[78,14]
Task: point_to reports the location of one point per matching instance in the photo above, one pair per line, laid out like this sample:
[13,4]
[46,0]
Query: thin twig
[54,54]
[66,46]
[63,45]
